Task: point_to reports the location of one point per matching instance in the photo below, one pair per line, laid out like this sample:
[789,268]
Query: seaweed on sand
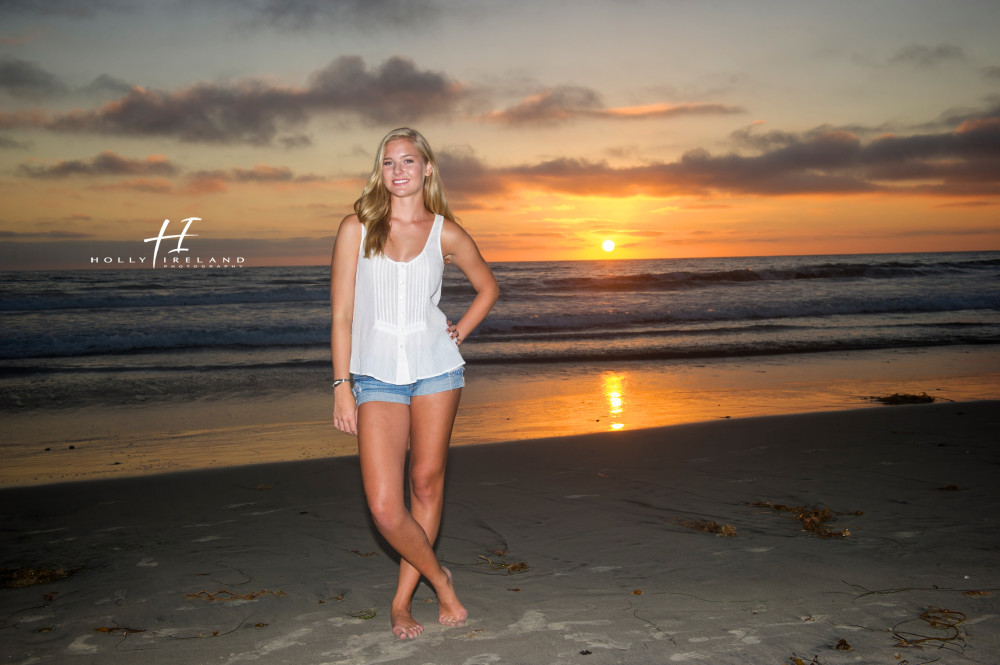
[813,519]
[903,398]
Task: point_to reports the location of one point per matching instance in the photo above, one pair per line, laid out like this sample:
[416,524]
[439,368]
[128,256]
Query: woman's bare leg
[384,429]
[431,420]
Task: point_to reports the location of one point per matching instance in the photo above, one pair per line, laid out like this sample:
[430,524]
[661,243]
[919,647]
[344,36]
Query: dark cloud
[152,174]
[105,85]
[991,72]
[564,103]
[259,173]
[324,14]
[748,137]
[13,144]
[927,56]
[33,235]
[463,174]
[26,80]
[556,104]
[967,204]
[395,91]
[962,162]
[69,8]
[105,164]
[259,113]
[142,185]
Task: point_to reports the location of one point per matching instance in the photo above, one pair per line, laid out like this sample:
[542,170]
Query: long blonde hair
[373,206]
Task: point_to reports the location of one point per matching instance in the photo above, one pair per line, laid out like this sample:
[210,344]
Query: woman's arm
[459,248]
[343,271]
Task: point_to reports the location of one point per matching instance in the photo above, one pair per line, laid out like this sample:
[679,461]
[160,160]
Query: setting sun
[608,245]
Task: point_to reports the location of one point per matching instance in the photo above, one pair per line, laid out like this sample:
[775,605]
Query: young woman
[398,374]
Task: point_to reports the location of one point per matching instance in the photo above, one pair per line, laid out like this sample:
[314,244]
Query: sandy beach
[577,549]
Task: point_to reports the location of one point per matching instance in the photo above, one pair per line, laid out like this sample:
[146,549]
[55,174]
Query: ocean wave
[683,279]
[121,297]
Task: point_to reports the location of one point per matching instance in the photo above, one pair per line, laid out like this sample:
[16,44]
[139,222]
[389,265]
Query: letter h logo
[180,237]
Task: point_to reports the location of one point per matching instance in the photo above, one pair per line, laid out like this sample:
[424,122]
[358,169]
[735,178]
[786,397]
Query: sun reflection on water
[613,389]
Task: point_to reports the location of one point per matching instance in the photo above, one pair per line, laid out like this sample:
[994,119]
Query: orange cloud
[564,103]
[105,163]
[669,110]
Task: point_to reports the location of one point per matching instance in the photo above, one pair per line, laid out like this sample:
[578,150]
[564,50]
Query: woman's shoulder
[350,225]
[451,228]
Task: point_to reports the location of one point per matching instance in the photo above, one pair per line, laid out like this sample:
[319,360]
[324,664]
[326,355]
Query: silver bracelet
[337,382]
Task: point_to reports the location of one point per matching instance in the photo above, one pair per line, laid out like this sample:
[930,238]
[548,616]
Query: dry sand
[292,571]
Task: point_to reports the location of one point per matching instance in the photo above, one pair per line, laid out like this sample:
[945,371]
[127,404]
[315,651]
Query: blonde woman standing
[398,373]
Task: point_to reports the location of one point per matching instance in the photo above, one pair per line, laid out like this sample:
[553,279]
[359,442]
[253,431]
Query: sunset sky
[674,128]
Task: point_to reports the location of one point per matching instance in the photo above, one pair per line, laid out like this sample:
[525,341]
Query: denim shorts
[368,389]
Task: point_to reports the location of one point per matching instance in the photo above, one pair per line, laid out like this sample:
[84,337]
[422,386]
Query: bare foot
[403,625]
[451,612]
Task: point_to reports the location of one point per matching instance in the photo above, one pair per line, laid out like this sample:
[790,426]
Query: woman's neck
[409,209]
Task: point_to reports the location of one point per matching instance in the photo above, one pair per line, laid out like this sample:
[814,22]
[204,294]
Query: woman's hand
[454,333]
[345,409]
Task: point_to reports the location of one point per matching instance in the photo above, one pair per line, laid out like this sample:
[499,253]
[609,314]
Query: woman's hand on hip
[454,333]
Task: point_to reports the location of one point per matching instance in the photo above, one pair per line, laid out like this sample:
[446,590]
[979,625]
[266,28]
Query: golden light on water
[613,387]
[608,245]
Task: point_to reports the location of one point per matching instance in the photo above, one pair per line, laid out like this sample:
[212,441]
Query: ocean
[135,371]
[168,321]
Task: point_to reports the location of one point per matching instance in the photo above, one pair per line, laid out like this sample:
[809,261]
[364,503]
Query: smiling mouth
[400,182]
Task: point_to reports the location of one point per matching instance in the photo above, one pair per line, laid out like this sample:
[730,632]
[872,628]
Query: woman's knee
[387,513]
[427,485]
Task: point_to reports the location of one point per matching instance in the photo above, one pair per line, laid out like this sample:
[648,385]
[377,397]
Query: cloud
[105,164]
[152,175]
[34,235]
[26,80]
[991,72]
[962,162]
[208,182]
[20,40]
[670,110]
[265,173]
[323,14]
[564,103]
[13,144]
[105,85]
[258,113]
[464,174]
[967,204]
[143,185]
[551,105]
[927,56]
[68,8]
[396,90]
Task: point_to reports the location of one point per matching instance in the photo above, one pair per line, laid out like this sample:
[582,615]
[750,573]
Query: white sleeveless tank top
[399,334]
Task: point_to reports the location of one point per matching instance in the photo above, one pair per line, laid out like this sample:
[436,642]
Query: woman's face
[404,168]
